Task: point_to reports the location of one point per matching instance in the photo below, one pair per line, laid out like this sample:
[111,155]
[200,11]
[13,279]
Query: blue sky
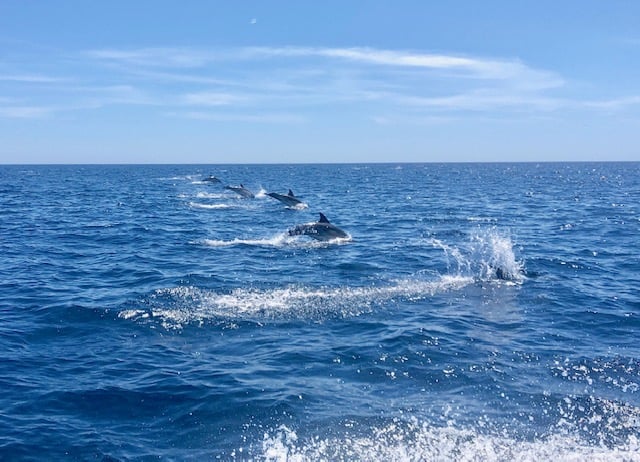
[318,81]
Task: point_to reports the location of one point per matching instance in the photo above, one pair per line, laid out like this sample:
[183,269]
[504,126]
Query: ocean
[475,312]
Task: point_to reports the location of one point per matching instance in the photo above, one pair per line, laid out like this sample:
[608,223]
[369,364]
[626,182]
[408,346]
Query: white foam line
[206,195]
[279,240]
[197,205]
[275,241]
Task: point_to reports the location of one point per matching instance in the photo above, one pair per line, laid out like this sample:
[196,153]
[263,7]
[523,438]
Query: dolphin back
[322,230]
[288,199]
[302,230]
[244,192]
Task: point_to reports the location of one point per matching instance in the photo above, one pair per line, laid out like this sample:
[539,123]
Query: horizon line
[135,164]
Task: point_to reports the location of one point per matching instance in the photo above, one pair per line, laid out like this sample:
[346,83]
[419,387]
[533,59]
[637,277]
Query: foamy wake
[414,441]
[279,240]
[176,307]
[208,195]
[199,205]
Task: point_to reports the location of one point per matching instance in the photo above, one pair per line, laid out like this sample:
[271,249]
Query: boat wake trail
[180,306]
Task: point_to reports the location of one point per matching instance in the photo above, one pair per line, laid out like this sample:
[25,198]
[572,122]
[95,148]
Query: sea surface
[475,312]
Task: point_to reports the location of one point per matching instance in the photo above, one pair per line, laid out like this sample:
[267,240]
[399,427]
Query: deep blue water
[477,312]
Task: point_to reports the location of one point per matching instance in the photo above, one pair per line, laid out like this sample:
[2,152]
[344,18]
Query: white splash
[300,206]
[415,441]
[487,255]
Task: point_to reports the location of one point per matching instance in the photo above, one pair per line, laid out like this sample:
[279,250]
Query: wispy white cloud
[173,77]
[106,95]
[389,120]
[72,99]
[24,112]
[614,104]
[209,98]
[282,81]
[483,100]
[256,66]
[476,67]
[194,58]
[154,57]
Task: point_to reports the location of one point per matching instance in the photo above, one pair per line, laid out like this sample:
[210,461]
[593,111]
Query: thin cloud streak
[24,112]
[614,104]
[475,67]
[30,78]
[154,57]
[485,101]
[212,99]
[228,117]
[76,98]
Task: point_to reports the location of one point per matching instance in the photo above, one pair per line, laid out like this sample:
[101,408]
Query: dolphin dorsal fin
[323,219]
[291,193]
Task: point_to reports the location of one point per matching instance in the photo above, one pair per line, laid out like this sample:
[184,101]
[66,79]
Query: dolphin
[211,179]
[322,230]
[289,199]
[244,192]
